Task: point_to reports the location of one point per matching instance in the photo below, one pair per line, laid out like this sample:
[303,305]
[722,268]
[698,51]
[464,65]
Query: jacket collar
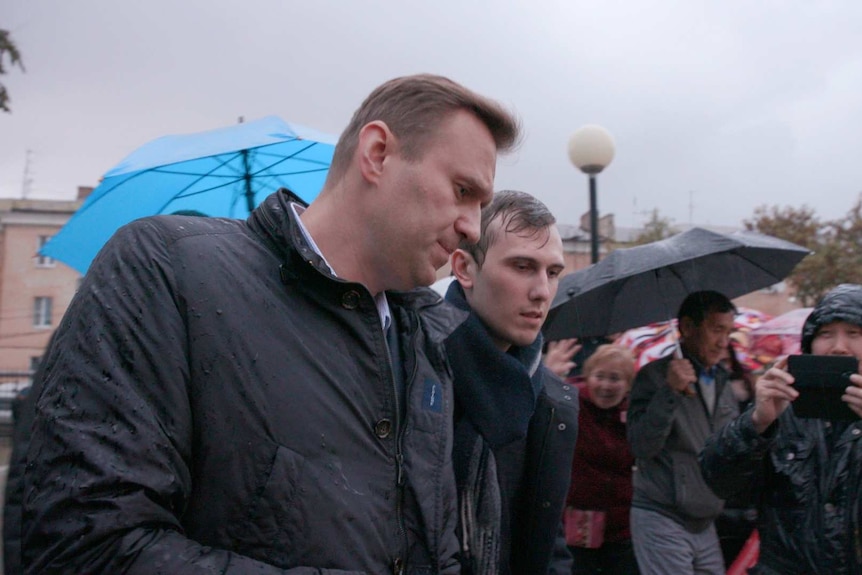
[275,222]
[700,369]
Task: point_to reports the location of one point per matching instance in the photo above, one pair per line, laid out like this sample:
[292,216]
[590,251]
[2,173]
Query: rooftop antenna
[636,213]
[27,180]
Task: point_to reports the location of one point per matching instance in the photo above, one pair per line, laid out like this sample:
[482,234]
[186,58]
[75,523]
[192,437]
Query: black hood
[843,303]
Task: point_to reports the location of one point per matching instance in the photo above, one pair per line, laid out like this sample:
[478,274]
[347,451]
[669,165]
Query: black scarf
[496,391]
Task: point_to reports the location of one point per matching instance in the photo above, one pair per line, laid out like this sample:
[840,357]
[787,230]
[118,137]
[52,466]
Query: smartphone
[821,381]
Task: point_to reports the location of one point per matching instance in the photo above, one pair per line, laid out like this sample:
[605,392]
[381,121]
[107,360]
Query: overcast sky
[716,107]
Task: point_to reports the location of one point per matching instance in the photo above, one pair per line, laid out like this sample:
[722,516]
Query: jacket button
[350,299]
[561,427]
[567,397]
[566,388]
[546,504]
[790,456]
[856,431]
[383,428]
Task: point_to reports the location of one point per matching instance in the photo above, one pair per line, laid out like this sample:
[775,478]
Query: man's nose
[541,289]
[840,345]
[468,224]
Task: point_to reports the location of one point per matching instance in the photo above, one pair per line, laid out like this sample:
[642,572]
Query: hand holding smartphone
[821,381]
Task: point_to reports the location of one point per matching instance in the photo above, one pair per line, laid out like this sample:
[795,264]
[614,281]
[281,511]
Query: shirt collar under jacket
[379,299]
[703,372]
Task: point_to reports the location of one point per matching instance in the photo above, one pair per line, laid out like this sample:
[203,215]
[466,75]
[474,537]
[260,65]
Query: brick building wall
[34,291]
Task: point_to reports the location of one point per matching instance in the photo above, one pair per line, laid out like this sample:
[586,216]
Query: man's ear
[464,268]
[374,143]
[686,326]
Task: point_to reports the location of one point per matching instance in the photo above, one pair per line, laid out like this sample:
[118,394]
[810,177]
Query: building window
[42,312]
[43,261]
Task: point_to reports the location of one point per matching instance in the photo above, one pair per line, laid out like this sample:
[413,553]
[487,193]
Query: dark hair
[518,212]
[412,107]
[699,304]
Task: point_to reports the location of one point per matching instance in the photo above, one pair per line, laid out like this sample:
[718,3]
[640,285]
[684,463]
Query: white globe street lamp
[591,149]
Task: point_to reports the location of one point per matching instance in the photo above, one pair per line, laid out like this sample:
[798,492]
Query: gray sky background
[715,107]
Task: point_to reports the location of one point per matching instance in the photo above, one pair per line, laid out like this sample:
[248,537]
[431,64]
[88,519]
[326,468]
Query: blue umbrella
[224,172]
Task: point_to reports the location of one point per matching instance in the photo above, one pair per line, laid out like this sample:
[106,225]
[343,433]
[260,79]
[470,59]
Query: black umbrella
[640,285]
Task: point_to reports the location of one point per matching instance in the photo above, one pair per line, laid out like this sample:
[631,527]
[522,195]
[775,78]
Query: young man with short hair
[515,422]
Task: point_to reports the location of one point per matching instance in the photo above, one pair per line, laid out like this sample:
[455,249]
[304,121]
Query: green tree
[8,51]
[655,229]
[835,245]
[848,236]
[798,225]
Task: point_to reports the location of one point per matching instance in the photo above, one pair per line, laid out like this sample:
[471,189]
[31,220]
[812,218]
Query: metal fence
[12,383]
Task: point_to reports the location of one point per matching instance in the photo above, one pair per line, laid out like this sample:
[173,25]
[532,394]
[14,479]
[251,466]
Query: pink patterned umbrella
[657,340]
[779,336]
[650,342]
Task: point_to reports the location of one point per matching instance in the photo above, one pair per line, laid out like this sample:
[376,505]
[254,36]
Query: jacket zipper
[401,412]
[469,512]
[399,454]
[546,439]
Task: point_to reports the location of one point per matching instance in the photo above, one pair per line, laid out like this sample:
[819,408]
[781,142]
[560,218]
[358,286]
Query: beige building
[34,290]
[577,243]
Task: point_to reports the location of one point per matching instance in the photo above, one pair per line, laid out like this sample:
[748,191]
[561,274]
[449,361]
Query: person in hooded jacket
[803,475]
[516,423]
[261,396]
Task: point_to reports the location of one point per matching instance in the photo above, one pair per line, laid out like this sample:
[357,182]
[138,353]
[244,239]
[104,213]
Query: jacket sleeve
[108,473]
[735,458]
[561,561]
[651,409]
[12,508]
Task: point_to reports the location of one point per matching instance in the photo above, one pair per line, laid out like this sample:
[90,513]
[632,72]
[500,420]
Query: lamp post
[591,149]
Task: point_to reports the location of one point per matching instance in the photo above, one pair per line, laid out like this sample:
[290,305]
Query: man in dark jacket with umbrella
[803,474]
[254,397]
[515,422]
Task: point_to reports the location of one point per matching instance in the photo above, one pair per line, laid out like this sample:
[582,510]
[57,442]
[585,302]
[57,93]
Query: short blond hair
[610,352]
[413,107]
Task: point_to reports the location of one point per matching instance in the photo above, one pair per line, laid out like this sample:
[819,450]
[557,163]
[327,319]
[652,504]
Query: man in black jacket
[515,422]
[251,397]
[804,475]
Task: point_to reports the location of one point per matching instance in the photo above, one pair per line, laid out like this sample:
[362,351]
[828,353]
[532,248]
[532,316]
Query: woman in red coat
[597,509]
